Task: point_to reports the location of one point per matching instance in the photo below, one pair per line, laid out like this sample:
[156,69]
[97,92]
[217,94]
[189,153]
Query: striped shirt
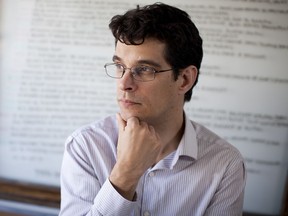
[204,176]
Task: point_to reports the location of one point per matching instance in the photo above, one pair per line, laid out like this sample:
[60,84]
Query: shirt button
[151,174]
[146,213]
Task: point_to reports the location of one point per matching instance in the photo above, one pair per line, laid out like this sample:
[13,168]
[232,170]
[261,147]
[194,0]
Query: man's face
[153,101]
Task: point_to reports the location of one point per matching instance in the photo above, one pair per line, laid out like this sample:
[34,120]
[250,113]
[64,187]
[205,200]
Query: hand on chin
[127,115]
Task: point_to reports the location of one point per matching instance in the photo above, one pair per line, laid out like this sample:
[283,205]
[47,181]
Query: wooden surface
[10,214]
[50,196]
[28,193]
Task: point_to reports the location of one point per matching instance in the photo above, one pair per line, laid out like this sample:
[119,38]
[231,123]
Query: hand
[138,145]
[138,148]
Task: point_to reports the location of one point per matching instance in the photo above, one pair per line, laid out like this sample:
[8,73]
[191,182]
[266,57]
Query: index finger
[121,122]
[132,121]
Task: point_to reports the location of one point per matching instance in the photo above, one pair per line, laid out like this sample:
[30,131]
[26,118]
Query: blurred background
[52,81]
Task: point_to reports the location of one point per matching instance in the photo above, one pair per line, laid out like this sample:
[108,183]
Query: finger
[151,129]
[133,121]
[121,122]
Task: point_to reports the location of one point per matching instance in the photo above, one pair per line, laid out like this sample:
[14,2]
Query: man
[150,159]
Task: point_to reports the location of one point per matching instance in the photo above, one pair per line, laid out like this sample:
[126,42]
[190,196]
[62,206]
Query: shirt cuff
[109,202]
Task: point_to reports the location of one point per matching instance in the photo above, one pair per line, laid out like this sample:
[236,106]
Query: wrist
[125,184]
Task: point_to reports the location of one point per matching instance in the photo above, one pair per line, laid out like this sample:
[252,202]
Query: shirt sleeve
[82,192]
[228,199]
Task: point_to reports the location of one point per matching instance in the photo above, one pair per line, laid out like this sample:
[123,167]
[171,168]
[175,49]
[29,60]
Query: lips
[127,103]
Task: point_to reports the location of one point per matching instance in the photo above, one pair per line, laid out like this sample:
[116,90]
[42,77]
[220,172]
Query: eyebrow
[144,61]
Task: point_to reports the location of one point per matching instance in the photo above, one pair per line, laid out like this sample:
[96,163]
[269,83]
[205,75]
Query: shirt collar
[186,152]
[188,147]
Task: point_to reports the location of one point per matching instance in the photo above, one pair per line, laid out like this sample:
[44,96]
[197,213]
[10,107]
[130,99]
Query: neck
[171,133]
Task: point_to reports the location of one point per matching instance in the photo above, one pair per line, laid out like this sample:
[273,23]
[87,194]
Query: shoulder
[211,145]
[106,124]
[104,130]
[91,150]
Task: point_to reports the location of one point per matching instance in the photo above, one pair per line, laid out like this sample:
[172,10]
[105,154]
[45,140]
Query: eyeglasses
[140,73]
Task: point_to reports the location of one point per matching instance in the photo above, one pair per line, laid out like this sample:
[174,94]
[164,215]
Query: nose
[127,83]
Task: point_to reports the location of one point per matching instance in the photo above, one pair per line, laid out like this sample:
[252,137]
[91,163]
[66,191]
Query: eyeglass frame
[132,72]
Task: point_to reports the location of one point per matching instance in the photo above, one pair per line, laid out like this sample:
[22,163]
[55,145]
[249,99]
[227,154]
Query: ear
[187,78]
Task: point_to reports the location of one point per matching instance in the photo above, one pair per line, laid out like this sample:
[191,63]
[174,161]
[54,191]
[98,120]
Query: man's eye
[118,66]
[142,69]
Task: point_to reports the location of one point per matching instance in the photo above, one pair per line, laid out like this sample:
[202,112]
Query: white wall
[53,81]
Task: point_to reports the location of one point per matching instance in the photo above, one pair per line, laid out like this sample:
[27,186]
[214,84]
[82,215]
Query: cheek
[165,95]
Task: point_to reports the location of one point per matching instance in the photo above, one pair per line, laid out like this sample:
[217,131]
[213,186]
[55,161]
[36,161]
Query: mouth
[127,103]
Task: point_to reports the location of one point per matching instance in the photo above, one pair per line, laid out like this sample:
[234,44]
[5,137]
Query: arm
[88,189]
[137,150]
[228,199]
[82,192]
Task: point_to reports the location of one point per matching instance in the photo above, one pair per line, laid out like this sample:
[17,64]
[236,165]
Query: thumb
[121,122]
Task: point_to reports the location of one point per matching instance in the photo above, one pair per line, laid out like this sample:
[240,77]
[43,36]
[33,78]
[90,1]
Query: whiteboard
[53,81]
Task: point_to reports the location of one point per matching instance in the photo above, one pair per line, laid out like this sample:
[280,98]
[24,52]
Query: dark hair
[167,24]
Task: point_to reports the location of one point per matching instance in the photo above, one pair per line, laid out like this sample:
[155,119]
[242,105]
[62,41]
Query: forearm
[137,149]
[84,193]
[106,197]
[125,182]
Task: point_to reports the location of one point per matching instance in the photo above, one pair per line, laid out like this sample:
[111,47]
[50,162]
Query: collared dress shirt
[204,176]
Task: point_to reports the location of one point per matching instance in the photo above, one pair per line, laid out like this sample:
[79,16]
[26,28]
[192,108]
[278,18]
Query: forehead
[152,50]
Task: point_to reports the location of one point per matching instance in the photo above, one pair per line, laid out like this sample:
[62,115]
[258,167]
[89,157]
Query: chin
[127,115]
